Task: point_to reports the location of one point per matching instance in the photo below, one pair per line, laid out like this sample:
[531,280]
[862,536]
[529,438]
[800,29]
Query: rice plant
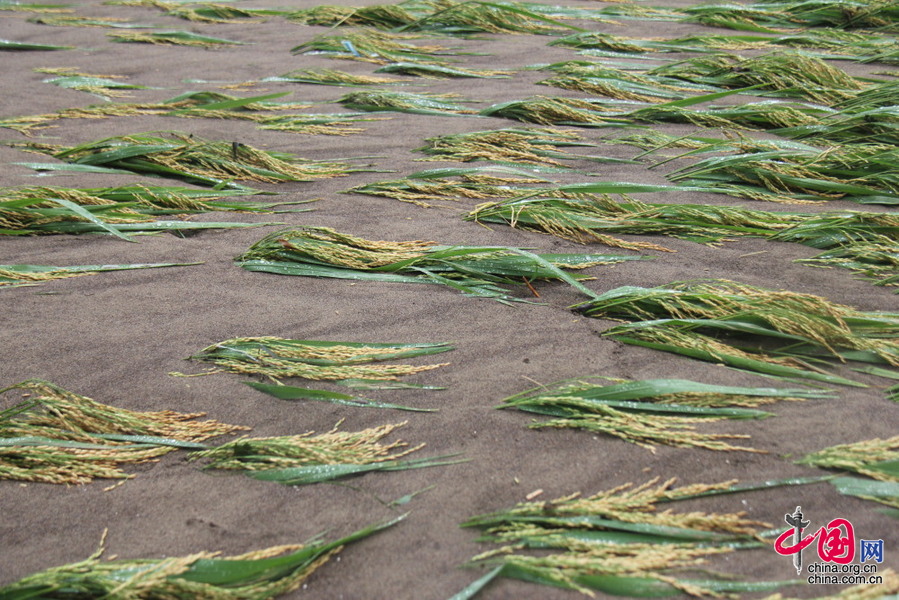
[119,210]
[207,105]
[98,85]
[480,271]
[464,18]
[292,393]
[650,412]
[56,436]
[372,46]
[741,325]
[604,80]
[824,43]
[544,110]
[257,575]
[78,21]
[876,459]
[772,114]
[621,542]
[788,14]
[866,243]
[171,38]
[14,46]
[790,74]
[385,17]
[431,71]
[448,183]
[858,172]
[536,146]
[278,358]
[406,102]
[210,12]
[13,6]
[193,159]
[592,219]
[308,458]
[447,17]
[27,275]
[333,77]
[869,117]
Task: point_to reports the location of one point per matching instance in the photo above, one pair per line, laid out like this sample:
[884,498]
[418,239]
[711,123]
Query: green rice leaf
[324,473]
[11,45]
[288,392]
[885,492]
[81,212]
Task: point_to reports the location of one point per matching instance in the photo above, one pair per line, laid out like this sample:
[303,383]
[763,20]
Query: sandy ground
[116,337]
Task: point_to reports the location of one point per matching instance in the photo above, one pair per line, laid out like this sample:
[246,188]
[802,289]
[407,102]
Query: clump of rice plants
[438,184]
[596,78]
[431,71]
[104,86]
[789,74]
[447,17]
[378,16]
[12,6]
[78,21]
[544,110]
[307,458]
[333,77]
[193,159]
[372,46]
[788,14]
[209,105]
[620,542]
[481,271]
[135,208]
[56,436]
[536,146]
[257,575]
[650,412]
[831,43]
[14,46]
[869,117]
[171,38]
[316,359]
[209,12]
[26,275]
[708,319]
[854,172]
[406,102]
[463,18]
[876,459]
[756,115]
[865,243]
[591,219]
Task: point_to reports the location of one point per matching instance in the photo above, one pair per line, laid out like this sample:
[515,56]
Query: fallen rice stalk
[473,270]
[315,359]
[57,436]
[27,275]
[307,458]
[256,575]
[702,319]
[619,542]
[174,154]
[662,411]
